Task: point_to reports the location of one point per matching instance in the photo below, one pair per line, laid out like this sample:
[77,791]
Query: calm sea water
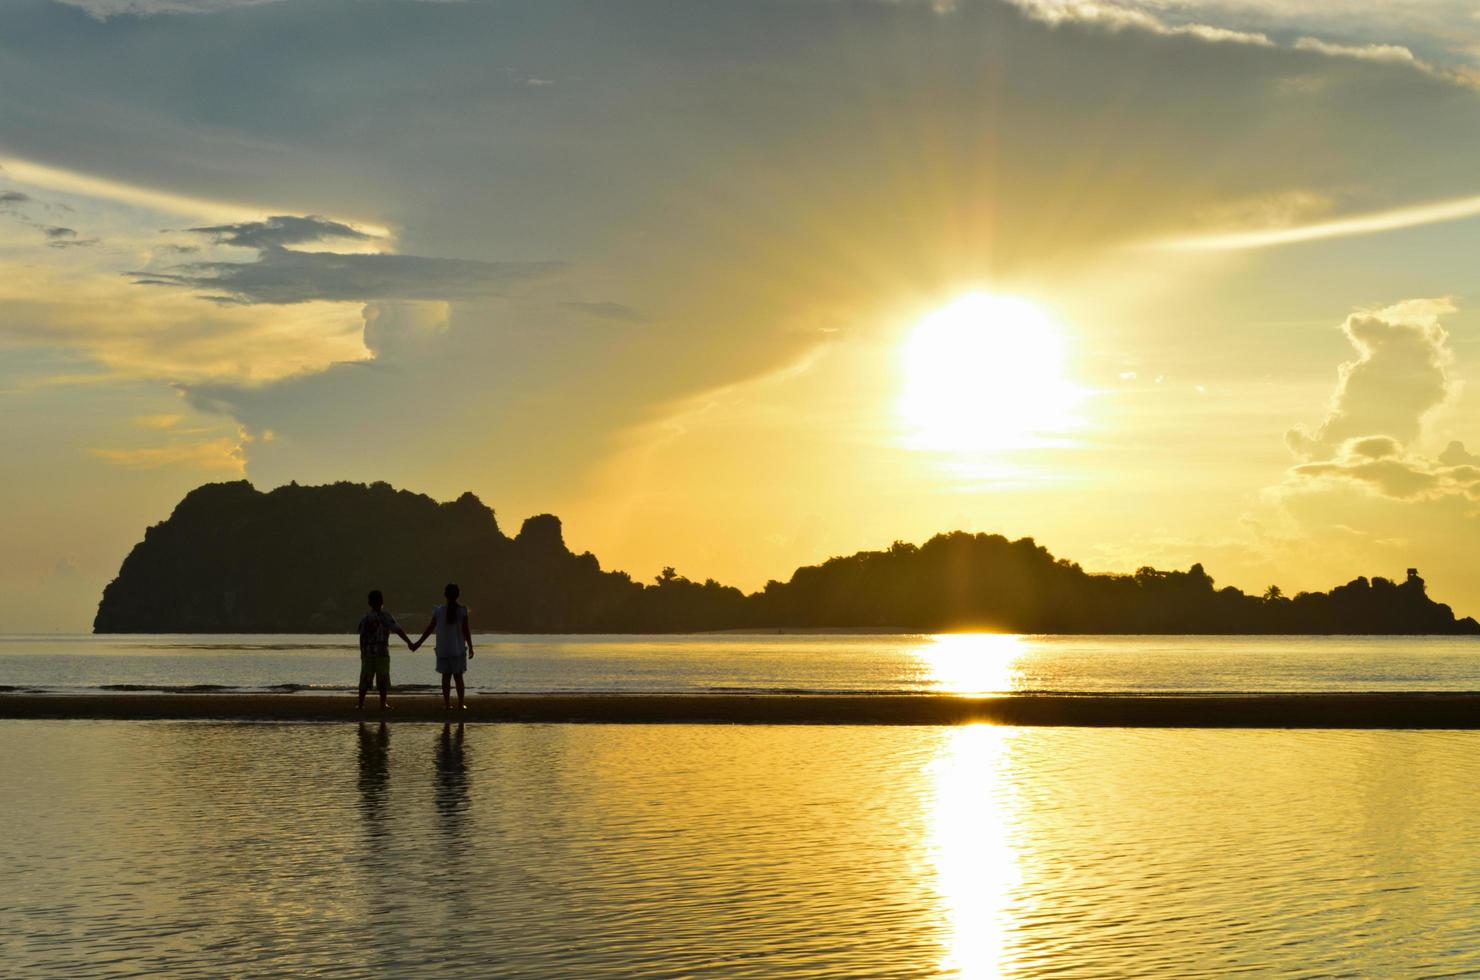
[962,663]
[198,849]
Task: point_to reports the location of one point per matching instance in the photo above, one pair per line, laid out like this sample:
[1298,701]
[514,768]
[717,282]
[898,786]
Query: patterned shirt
[375,634]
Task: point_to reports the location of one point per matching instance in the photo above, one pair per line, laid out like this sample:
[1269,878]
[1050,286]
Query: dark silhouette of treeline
[300,559]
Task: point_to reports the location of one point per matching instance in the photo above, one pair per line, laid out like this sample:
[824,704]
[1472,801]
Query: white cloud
[1222,21]
[103,9]
[1378,412]
[224,454]
[1399,377]
[1394,53]
[1360,224]
[1123,16]
[403,329]
[39,176]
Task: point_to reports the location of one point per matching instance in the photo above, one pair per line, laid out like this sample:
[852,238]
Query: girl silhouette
[454,644]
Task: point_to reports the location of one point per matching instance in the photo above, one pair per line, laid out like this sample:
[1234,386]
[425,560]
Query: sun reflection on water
[970,847]
[971,663]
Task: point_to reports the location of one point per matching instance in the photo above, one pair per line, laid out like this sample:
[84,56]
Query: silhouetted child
[454,644]
[375,652]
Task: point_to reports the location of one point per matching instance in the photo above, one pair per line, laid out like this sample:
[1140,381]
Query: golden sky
[736,287]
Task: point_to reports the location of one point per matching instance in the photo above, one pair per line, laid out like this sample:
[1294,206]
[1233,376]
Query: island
[299,559]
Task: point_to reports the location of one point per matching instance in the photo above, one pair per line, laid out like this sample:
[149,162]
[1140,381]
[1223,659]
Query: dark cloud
[1455,454]
[281,230]
[57,236]
[1406,477]
[1401,479]
[1374,447]
[281,275]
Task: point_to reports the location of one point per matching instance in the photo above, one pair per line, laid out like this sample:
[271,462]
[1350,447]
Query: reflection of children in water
[451,795]
[375,771]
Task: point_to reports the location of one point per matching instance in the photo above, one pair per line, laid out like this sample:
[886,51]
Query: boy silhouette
[375,653]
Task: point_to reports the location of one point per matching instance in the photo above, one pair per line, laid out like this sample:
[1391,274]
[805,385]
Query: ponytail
[451,593]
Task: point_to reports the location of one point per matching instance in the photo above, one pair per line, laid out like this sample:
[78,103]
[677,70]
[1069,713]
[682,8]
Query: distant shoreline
[1357,711]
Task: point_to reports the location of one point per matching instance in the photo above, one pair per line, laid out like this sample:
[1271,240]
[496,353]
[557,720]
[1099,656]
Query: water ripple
[194,849]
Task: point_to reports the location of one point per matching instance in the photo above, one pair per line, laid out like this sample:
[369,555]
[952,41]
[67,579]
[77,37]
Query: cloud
[59,237]
[1398,478]
[56,236]
[103,9]
[1168,19]
[1360,224]
[1400,376]
[401,329]
[281,230]
[1392,53]
[1378,411]
[1277,210]
[281,275]
[1455,454]
[1114,16]
[169,335]
[223,454]
[97,188]
[1394,474]
[1374,447]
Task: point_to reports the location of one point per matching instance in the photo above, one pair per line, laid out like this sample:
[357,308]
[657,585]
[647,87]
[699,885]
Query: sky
[735,287]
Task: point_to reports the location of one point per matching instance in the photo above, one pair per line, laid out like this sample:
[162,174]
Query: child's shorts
[370,666]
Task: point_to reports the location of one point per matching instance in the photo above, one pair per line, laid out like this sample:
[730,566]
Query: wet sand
[1437,710]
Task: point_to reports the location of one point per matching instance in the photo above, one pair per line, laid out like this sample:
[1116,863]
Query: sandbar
[1377,710]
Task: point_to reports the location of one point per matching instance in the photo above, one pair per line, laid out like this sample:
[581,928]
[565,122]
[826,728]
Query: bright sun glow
[984,373]
[971,663]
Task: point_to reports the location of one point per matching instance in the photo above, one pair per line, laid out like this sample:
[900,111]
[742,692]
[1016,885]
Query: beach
[1355,711]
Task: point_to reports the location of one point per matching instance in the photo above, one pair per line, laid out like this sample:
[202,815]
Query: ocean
[758,663]
[171,849]
[188,849]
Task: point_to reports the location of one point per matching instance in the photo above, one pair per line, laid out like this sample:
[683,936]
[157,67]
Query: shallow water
[185,849]
[962,663]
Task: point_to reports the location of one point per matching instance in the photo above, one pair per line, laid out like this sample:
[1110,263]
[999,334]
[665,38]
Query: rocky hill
[232,559]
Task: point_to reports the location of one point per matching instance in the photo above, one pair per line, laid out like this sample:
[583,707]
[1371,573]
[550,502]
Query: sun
[986,372]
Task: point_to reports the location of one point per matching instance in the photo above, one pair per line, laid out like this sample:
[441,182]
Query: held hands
[412,646]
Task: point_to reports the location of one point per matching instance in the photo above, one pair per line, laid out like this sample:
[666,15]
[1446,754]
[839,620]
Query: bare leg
[385,688]
[459,679]
[447,690]
[364,686]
